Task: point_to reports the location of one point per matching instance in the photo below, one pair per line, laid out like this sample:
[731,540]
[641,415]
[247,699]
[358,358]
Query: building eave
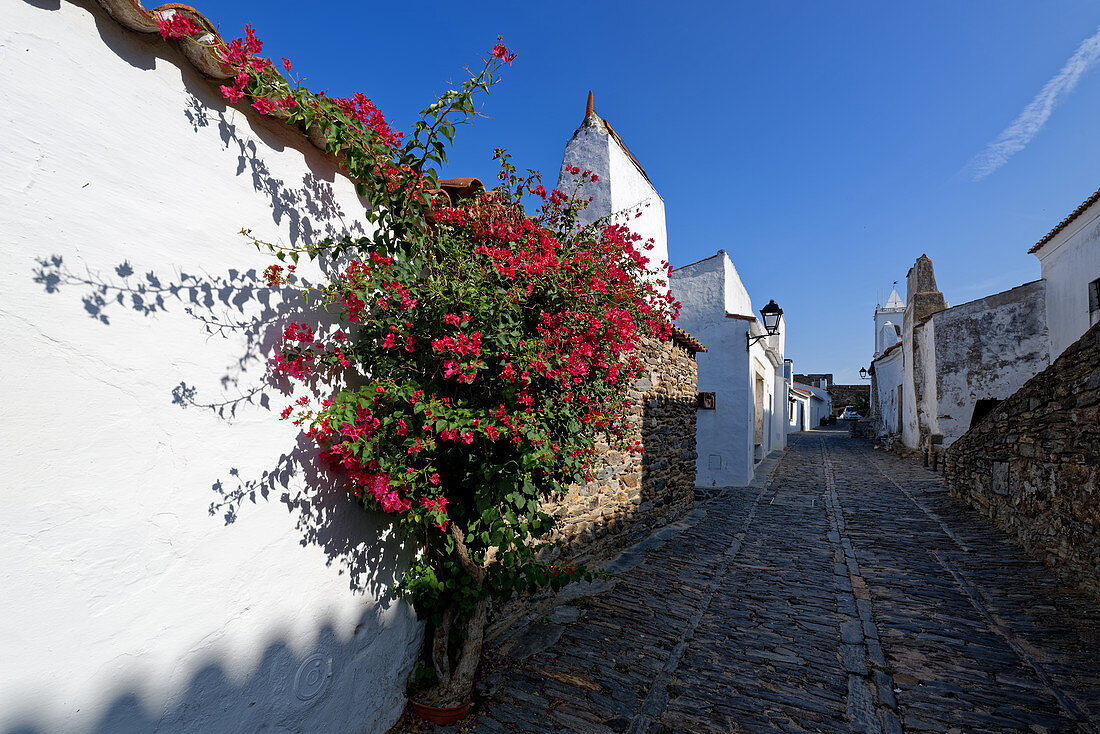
[1066,222]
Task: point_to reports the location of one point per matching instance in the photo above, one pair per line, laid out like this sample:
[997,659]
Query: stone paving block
[776,604]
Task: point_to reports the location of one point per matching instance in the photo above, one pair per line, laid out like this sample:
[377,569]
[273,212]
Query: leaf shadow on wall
[214,695]
[239,306]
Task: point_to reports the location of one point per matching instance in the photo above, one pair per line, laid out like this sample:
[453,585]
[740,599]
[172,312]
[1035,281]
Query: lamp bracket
[752,339]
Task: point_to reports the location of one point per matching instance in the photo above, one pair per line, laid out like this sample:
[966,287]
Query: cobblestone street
[849,592]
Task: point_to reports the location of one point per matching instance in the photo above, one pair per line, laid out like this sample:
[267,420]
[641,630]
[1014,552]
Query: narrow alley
[849,592]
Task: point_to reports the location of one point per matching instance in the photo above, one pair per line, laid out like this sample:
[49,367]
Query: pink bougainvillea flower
[503,53]
[231,93]
[177,26]
[252,44]
[286,63]
[264,105]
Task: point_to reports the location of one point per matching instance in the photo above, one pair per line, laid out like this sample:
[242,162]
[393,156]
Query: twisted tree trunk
[455,684]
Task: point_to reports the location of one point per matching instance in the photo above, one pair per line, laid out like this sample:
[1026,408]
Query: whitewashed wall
[1069,262]
[622,187]
[889,374]
[798,413]
[986,348]
[721,440]
[909,430]
[821,405]
[778,438]
[166,568]
[709,290]
[887,316]
[924,371]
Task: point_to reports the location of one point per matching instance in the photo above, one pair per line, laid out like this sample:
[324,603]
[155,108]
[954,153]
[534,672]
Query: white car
[849,414]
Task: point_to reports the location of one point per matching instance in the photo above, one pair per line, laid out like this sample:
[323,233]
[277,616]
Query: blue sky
[824,145]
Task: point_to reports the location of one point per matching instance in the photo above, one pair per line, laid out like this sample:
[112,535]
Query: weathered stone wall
[635,491]
[815,378]
[984,349]
[848,395]
[1033,465]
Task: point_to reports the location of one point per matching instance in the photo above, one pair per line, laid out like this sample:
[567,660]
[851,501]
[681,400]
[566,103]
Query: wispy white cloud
[1024,128]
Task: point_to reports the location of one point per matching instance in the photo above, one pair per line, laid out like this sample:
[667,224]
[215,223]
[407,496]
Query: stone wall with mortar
[636,491]
[1033,464]
[844,395]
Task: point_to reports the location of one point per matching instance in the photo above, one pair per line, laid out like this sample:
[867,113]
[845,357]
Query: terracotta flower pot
[440,715]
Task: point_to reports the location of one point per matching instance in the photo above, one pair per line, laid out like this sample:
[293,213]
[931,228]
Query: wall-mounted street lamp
[772,314]
[863,373]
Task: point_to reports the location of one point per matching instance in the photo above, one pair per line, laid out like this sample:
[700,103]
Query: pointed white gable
[623,186]
[895,301]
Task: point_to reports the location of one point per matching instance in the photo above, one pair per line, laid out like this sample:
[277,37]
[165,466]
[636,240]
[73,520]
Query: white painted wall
[723,435]
[925,367]
[707,290]
[778,439]
[910,432]
[798,415]
[821,405]
[138,418]
[735,294]
[986,348]
[1069,262]
[889,374]
[887,335]
[622,188]
[815,404]
[888,315]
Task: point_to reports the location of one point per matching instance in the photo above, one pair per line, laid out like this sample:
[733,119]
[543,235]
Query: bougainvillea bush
[481,350]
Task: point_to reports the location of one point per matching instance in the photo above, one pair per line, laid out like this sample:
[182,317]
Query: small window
[1094,301]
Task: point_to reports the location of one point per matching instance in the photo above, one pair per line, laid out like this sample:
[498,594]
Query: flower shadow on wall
[310,210]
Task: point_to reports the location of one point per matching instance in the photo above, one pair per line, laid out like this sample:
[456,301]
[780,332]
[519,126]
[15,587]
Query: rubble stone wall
[636,491]
[1033,464]
[843,395]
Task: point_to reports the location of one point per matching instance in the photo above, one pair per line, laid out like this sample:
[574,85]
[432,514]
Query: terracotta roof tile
[1066,222]
[198,49]
[458,189]
[686,340]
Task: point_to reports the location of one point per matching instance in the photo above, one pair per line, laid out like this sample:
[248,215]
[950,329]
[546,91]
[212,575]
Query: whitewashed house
[799,404]
[748,417]
[169,563]
[1069,260]
[952,365]
[888,321]
[808,405]
[622,187]
[952,362]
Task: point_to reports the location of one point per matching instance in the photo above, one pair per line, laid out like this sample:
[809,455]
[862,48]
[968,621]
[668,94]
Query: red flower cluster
[273,275]
[502,52]
[177,26]
[361,109]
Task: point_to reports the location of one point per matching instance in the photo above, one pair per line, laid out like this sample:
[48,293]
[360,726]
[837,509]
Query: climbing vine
[481,349]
